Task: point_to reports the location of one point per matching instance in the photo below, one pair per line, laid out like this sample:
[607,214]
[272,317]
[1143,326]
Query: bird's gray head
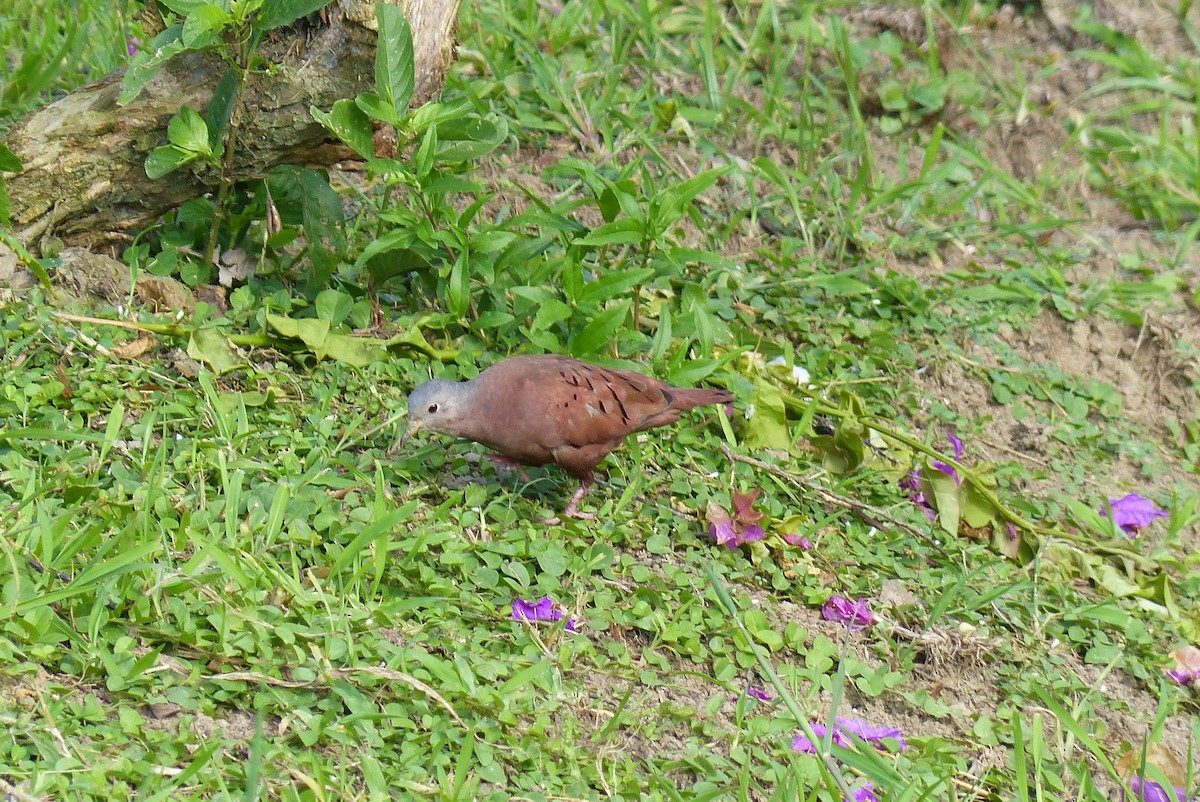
[437,405]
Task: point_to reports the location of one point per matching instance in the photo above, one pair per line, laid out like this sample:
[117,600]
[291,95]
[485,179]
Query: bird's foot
[572,510]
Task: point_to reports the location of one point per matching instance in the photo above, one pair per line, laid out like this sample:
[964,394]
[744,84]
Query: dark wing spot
[575,396]
[603,411]
[669,398]
[617,398]
[589,384]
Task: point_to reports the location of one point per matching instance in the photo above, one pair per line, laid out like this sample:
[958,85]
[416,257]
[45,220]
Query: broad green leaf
[277,13]
[435,113]
[184,7]
[210,346]
[942,490]
[838,284]
[674,201]
[624,231]
[5,207]
[188,131]
[550,313]
[426,153]
[612,284]
[147,62]
[465,141]
[977,510]
[333,306]
[621,195]
[349,124]
[458,295]
[600,330]
[394,57]
[413,339]
[767,426]
[9,163]
[165,159]
[492,241]
[202,23]
[377,108]
[220,108]
[318,337]
[395,240]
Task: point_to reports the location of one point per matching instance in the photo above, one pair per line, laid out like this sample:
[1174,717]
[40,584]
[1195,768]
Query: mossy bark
[84,180]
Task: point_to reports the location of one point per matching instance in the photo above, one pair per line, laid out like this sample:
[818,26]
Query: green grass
[223,586]
[46,50]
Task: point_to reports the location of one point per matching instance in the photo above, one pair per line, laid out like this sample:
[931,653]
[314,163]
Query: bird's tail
[685,398]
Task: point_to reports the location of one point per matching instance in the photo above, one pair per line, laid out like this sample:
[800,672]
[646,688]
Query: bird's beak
[412,428]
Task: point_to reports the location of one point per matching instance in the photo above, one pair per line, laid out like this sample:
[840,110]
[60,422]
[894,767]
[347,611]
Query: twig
[341,673]
[16,793]
[864,512]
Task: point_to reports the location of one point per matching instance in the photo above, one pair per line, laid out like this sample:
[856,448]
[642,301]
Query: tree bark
[84,179]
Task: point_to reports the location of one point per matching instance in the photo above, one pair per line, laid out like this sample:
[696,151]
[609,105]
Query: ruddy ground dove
[542,409]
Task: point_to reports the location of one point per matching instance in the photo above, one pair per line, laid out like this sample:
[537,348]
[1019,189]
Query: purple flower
[855,615]
[759,694]
[1150,791]
[797,540]
[132,45]
[732,529]
[872,735]
[958,446]
[1184,677]
[865,793]
[912,483]
[543,609]
[1187,665]
[948,469]
[1132,513]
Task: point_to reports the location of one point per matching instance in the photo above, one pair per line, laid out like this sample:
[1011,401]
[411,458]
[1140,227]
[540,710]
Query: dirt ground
[1153,367]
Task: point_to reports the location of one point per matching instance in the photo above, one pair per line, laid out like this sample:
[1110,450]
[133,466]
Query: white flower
[799,373]
[749,413]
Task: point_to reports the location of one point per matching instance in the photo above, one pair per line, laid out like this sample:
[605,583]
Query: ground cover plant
[943,545]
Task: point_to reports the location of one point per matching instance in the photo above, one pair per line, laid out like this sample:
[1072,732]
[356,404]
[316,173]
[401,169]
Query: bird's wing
[594,405]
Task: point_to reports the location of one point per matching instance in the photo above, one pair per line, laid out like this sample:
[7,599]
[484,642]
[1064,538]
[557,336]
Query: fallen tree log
[84,181]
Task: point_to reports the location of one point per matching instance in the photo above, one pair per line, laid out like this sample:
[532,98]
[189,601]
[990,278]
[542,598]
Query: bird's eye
[433,408]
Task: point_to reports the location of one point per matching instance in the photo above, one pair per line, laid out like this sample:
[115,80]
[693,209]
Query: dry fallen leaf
[134,348]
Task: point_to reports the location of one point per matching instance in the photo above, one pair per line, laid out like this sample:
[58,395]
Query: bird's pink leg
[572,510]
